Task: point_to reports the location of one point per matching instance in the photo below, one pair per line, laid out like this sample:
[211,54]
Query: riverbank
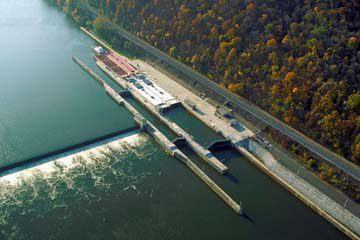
[333,212]
[130,189]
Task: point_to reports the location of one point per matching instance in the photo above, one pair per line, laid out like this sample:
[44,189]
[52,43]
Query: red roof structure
[117,64]
[121,63]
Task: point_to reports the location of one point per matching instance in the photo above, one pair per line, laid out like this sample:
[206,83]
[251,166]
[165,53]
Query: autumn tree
[271,43]
[352,43]
[102,26]
[299,60]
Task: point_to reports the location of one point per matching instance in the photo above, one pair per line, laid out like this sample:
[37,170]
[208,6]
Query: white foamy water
[69,160]
[80,177]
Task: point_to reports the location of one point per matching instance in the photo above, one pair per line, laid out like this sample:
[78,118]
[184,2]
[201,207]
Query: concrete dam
[37,159]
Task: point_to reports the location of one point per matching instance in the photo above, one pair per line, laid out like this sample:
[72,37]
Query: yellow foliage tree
[290,76]
[271,43]
[287,120]
[195,59]
[274,91]
[231,55]
[272,57]
[301,61]
[224,45]
[172,51]
[235,41]
[291,60]
[214,32]
[285,40]
[231,33]
[352,43]
[235,87]
[288,80]
[264,17]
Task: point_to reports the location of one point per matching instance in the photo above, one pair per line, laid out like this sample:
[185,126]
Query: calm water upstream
[124,188]
[46,101]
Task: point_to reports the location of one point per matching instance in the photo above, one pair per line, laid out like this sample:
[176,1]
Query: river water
[121,188]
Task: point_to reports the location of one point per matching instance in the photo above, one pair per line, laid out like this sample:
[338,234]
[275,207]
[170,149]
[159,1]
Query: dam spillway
[35,160]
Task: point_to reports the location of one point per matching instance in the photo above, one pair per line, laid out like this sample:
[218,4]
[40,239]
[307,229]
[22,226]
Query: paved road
[331,157]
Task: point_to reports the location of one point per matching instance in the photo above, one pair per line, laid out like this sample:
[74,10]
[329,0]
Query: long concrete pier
[205,154]
[160,138]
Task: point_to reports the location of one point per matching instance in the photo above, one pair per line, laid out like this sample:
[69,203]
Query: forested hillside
[299,60]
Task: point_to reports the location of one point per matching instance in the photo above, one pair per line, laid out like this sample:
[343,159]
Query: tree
[271,43]
[195,59]
[172,51]
[236,87]
[290,76]
[273,58]
[231,56]
[356,153]
[352,43]
[319,32]
[288,80]
[353,101]
[214,32]
[300,60]
[290,60]
[101,26]
[269,28]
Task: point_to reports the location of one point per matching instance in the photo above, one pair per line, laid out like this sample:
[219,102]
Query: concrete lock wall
[167,144]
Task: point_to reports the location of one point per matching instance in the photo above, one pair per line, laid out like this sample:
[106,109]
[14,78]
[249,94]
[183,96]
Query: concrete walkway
[206,111]
[203,153]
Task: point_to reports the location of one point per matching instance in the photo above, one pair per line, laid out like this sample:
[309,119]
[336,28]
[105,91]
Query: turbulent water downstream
[50,201]
[122,188]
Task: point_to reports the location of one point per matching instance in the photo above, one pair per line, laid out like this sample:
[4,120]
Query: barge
[137,80]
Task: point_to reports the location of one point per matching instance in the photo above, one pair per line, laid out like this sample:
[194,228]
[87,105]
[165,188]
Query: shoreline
[345,226]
